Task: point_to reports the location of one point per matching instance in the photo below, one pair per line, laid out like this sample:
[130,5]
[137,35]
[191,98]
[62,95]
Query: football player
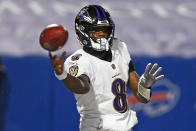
[99,73]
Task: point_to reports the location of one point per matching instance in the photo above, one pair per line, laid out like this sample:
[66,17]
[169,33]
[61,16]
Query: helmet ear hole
[81,27]
[85,42]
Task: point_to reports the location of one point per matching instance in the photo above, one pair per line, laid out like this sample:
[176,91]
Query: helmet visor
[105,29]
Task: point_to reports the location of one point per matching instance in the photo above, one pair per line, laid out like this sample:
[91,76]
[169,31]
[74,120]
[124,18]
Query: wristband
[145,92]
[61,76]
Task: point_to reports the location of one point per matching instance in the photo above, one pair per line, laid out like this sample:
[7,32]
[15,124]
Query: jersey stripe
[105,17]
[98,14]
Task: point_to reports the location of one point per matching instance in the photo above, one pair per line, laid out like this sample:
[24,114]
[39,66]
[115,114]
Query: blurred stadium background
[163,31]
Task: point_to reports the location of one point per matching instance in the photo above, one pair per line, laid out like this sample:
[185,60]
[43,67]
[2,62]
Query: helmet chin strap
[101,44]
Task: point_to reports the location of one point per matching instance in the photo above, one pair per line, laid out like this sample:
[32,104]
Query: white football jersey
[106,100]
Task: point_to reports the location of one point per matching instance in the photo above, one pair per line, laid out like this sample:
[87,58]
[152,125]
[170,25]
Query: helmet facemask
[101,42]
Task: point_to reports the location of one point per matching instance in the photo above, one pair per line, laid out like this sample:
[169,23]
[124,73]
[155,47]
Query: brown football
[53,37]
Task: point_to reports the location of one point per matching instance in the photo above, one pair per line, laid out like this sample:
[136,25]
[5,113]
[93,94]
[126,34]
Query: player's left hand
[150,76]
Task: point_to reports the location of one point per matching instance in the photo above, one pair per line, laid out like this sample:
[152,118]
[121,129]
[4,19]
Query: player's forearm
[76,85]
[133,86]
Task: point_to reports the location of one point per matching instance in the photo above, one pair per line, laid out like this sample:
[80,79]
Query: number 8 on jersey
[118,89]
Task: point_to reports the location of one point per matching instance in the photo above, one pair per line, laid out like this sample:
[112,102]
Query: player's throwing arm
[78,85]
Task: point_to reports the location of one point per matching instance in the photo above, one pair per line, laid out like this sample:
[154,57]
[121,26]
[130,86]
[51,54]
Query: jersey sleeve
[126,57]
[124,51]
[77,64]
